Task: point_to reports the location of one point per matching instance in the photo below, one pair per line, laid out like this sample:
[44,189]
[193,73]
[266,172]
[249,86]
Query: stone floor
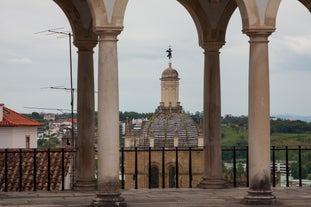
[294,196]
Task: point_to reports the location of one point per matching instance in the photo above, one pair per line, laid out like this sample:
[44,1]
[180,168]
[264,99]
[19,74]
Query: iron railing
[233,155]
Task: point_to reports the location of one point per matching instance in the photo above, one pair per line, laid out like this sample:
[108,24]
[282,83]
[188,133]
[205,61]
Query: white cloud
[299,44]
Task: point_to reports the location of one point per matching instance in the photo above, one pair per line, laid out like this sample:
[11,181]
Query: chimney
[1,111]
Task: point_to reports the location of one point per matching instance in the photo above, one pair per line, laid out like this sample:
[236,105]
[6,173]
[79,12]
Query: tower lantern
[170,88]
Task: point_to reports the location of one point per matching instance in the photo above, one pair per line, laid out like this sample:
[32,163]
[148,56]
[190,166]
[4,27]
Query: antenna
[45,31]
[59,88]
[62,88]
[51,32]
[52,109]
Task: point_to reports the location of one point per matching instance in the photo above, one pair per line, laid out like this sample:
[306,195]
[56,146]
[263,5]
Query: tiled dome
[163,127]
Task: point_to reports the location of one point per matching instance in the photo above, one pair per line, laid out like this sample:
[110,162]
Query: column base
[108,200]
[208,183]
[90,185]
[259,198]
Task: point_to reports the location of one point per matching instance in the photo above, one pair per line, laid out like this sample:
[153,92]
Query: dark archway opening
[154,177]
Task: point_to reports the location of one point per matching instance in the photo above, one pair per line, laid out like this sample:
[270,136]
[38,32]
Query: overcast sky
[31,63]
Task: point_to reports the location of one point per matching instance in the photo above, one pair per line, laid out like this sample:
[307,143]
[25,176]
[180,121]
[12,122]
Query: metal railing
[232,155]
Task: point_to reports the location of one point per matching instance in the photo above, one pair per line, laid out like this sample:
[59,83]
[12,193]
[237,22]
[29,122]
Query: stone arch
[79,16]
[258,14]
[306,3]
[107,14]
[211,19]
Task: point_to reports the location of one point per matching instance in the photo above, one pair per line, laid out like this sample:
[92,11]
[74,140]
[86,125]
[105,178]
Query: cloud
[299,44]
[22,61]
[142,58]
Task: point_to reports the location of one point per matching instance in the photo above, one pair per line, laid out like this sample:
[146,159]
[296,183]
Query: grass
[286,139]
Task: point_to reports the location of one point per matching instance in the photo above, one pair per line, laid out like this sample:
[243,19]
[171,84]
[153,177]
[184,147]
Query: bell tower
[170,88]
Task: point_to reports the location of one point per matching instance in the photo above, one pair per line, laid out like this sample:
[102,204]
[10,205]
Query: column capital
[108,33]
[211,46]
[85,45]
[259,34]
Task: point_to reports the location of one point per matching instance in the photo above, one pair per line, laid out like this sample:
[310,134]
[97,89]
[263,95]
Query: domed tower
[170,127]
[170,90]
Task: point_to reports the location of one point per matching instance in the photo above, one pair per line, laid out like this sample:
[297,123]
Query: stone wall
[156,161]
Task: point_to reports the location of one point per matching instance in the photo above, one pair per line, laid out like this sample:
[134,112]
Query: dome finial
[169,54]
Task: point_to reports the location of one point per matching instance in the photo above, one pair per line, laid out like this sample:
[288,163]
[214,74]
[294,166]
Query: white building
[17,130]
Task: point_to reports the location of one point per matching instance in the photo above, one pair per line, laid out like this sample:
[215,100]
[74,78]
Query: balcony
[146,168]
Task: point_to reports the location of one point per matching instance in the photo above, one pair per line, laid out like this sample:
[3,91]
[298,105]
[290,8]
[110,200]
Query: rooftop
[12,119]
[164,126]
[27,157]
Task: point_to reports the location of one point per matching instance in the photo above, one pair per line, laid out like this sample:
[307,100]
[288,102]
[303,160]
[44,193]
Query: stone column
[259,120]
[108,121]
[85,165]
[213,176]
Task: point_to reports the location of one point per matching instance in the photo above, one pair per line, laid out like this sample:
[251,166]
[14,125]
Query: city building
[17,130]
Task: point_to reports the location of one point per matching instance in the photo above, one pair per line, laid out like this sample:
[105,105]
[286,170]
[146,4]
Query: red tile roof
[27,163]
[12,118]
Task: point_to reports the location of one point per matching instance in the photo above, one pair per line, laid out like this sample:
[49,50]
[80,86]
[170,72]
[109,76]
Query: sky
[30,63]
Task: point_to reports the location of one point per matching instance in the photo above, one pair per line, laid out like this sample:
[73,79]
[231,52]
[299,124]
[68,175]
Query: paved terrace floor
[156,198]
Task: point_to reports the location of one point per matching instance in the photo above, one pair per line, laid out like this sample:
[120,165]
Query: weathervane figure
[169,53]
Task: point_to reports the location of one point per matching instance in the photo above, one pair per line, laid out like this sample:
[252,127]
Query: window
[27,141]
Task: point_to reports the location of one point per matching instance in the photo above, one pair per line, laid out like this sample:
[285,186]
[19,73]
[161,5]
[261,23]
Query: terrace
[25,174]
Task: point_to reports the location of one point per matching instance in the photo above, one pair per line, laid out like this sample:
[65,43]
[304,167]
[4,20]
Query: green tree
[197,116]
[295,171]
[239,169]
[48,142]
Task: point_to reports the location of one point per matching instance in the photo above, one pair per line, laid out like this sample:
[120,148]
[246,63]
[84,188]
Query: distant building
[49,117]
[17,130]
[169,127]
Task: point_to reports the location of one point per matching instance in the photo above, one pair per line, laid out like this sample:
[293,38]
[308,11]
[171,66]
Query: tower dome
[170,129]
[169,73]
